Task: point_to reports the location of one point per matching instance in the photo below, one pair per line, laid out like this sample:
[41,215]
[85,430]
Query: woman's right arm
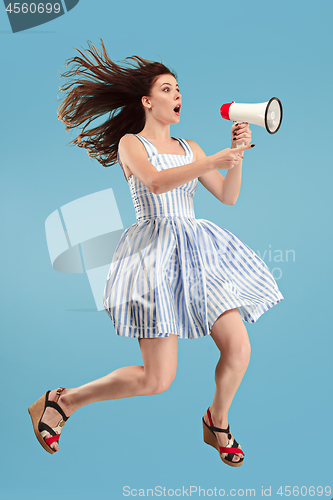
[133,154]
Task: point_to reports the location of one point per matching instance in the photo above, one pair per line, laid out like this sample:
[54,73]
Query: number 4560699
[33,8]
[303,491]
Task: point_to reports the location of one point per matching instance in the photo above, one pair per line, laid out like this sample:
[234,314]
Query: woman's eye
[166,89]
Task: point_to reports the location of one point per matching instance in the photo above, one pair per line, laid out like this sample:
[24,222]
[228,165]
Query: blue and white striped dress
[174,274]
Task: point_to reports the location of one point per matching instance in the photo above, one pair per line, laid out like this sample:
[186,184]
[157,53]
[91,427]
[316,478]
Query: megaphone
[265,114]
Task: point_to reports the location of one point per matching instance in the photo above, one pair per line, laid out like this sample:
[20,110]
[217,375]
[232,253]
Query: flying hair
[96,87]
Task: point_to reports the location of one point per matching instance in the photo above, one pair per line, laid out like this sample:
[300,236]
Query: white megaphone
[265,114]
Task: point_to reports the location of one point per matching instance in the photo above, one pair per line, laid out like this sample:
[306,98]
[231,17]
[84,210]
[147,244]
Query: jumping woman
[172,276]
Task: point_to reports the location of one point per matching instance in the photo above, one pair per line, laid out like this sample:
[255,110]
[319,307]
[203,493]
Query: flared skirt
[177,275]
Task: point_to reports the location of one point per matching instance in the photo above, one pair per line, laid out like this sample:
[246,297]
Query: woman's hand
[228,158]
[240,132]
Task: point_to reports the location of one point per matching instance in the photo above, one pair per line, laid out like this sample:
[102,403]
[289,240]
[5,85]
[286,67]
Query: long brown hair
[101,86]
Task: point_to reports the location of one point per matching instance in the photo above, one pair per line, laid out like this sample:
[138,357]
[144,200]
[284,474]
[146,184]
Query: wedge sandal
[36,411]
[228,452]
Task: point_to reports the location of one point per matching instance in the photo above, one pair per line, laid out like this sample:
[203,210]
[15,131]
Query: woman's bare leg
[230,336]
[159,357]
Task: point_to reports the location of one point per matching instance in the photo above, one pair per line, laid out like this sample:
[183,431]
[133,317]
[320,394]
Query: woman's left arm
[225,189]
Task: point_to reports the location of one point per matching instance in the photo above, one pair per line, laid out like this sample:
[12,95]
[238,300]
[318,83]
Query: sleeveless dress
[174,274]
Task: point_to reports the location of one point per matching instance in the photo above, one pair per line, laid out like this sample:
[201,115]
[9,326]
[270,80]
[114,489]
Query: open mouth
[177,109]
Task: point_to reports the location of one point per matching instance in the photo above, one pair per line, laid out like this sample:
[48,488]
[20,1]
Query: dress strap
[150,148]
[187,147]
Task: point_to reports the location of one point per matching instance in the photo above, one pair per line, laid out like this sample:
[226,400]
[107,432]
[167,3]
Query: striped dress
[174,274]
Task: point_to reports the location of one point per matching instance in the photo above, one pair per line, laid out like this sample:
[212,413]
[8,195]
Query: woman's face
[164,102]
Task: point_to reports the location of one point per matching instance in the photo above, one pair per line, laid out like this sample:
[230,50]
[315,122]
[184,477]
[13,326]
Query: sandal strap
[230,450]
[44,427]
[52,439]
[230,456]
[54,405]
[212,426]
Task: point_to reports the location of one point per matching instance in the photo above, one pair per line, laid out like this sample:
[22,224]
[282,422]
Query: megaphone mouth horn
[270,115]
[265,114]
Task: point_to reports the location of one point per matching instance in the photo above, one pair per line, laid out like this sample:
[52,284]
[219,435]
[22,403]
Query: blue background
[52,334]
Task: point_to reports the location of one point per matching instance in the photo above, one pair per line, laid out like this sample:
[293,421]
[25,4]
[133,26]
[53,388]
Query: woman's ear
[146,102]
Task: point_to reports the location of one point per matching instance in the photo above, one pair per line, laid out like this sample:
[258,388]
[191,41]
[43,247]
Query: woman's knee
[238,354]
[231,338]
[158,384]
[244,353]
[160,363]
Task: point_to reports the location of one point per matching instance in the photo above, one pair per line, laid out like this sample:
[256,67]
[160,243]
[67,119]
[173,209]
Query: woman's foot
[224,439]
[52,418]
